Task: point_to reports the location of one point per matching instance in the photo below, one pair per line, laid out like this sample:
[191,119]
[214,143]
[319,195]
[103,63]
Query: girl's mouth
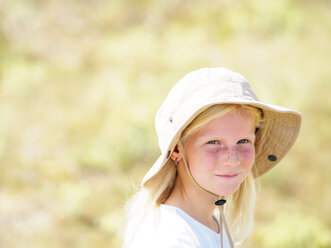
[227,176]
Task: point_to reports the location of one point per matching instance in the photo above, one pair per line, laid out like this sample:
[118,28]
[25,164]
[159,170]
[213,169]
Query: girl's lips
[227,175]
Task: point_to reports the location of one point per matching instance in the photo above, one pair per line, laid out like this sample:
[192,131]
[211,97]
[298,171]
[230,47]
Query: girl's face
[221,153]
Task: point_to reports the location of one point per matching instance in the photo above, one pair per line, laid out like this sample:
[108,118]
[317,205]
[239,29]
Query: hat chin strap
[218,202]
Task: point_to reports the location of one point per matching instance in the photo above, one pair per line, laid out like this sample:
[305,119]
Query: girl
[215,138]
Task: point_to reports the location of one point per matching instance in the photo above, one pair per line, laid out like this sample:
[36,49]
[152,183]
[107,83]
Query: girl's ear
[176,154]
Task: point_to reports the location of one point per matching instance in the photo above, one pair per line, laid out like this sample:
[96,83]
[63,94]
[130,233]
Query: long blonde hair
[239,209]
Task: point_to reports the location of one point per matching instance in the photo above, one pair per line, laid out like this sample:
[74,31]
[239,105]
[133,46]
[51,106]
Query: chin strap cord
[218,203]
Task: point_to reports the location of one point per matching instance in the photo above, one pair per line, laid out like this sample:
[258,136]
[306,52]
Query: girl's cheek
[215,153]
[213,150]
[211,155]
[248,155]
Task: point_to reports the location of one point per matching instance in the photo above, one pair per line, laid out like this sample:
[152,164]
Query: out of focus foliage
[81,80]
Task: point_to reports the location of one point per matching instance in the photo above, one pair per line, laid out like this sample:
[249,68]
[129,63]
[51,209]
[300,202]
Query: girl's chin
[226,191]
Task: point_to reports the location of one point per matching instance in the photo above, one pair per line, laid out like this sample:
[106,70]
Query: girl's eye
[213,142]
[243,141]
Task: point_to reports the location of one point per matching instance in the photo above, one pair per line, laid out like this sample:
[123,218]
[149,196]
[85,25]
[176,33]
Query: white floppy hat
[203,88]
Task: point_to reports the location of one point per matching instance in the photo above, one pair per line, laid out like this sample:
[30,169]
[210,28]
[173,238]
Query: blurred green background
[81,81]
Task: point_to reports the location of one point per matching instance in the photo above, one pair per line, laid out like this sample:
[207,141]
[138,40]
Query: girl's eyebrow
[208,136]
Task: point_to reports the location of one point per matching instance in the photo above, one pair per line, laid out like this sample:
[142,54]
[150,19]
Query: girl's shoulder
[166,227]
[173,227]
[175,222]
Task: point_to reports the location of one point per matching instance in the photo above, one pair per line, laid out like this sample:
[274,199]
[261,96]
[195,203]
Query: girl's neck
[196,202]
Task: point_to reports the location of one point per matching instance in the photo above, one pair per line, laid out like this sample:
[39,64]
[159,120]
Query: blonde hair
[239,209]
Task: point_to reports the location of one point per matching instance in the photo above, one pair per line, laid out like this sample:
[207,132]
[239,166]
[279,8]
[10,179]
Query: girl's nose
[231,157]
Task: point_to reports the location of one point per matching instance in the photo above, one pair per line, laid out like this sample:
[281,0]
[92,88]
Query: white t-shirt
[171,227]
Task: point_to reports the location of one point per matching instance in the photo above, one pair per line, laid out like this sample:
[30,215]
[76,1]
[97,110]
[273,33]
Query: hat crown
[195,91]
